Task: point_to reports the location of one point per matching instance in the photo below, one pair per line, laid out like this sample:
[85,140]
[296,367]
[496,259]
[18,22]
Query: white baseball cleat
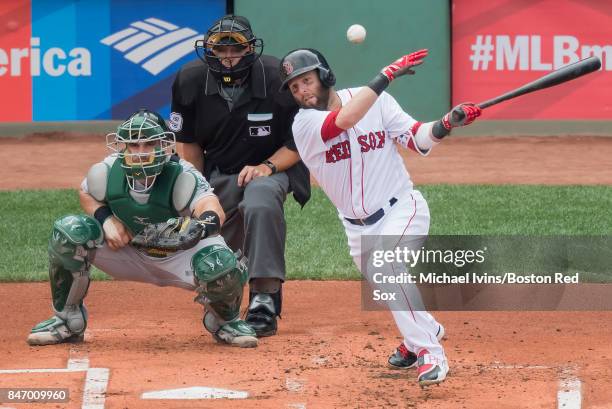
[432,369]
[53,331]
[402,358]
[236,333]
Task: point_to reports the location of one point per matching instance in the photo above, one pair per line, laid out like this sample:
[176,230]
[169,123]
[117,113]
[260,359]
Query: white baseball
[356,33]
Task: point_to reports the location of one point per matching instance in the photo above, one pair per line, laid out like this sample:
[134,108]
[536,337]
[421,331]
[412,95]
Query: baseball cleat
[432,369]
[261,315]
[441,332]
[53,331]
[402,358]
[236,333]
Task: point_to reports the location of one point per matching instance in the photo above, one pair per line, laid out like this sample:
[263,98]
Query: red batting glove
[403,65]
[461,115]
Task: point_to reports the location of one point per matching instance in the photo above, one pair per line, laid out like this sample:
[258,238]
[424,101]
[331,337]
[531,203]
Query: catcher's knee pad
[220,277]
[71,249]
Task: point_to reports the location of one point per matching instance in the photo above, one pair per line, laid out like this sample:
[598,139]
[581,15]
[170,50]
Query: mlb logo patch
[259,130]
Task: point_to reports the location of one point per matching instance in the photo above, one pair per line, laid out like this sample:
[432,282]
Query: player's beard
[322,97]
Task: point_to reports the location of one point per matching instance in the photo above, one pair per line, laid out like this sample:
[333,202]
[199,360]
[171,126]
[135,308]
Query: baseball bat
[559,76]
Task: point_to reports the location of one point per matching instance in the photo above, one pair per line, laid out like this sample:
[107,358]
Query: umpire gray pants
[255,220]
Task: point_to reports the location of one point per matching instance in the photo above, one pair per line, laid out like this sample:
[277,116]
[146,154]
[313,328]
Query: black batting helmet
[229,30]
[302,60]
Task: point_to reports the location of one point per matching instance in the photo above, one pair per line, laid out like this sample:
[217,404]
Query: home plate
[195,392]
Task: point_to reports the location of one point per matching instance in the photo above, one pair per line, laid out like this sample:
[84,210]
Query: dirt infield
[61,162]
[329,353]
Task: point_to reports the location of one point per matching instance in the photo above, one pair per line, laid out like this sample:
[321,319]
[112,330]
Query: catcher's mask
[144,145]
[230,31]
[302,60]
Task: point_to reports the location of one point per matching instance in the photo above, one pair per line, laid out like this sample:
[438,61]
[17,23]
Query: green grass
[316,244]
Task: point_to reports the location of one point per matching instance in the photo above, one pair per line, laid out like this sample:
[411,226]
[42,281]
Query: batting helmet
[229,30]
[302,60]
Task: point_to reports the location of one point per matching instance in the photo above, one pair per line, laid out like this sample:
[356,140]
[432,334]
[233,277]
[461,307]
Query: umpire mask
[230,49]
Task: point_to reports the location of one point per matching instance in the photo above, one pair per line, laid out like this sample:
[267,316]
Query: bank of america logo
[154,44]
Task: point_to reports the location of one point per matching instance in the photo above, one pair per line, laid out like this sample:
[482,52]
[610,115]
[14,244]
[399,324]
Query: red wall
[527,39]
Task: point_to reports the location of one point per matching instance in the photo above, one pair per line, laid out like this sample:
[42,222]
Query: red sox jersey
[360,169]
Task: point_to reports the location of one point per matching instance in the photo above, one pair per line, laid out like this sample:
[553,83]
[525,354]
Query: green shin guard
[71,249]
[221,277]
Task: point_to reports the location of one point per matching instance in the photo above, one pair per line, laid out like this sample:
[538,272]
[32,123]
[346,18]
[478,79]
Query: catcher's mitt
[179,233]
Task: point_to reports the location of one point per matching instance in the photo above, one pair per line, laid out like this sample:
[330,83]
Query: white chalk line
[96,379]
[195,392]
[569,395]
[94,391]
[295,385]
[569,392]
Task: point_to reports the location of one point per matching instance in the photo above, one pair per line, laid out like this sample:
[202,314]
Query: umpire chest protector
[158,208]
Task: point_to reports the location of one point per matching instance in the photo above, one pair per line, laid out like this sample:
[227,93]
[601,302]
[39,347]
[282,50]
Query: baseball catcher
[149,217]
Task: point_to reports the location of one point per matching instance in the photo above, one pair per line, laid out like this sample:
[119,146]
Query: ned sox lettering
[368,142]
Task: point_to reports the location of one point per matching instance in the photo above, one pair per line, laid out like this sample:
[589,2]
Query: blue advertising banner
[92,60]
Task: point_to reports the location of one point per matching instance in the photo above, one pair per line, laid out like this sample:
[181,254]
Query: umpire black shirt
[256,127]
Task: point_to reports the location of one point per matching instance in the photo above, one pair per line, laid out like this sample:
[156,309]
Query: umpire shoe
[402,358]
[236,333]
[262,313]
[432,369]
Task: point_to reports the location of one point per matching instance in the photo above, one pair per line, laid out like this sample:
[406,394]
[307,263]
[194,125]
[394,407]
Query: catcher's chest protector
[134,215]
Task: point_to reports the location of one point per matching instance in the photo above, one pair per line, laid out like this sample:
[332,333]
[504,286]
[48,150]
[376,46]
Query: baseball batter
[140,184]
[348,139]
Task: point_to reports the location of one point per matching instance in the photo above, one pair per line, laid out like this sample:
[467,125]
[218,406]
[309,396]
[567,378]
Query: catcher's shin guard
[71,248]
[220,277]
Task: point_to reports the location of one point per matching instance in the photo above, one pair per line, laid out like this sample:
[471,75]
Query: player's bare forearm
[116,235]
[209,203]
[356,108]
[88,203]
[191,152]
[284,158]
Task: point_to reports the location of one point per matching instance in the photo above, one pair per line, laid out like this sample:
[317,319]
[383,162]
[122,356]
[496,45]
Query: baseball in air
[356,33]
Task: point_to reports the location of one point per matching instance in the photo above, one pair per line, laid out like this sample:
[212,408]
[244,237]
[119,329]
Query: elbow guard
[424,136]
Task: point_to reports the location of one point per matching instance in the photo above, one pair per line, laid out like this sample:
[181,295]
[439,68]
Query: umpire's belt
[374,217]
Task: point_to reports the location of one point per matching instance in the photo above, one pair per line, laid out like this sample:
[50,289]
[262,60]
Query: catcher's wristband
[379,83]
[211,222]
[102,213]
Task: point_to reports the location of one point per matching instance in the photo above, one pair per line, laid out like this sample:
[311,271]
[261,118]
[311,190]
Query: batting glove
[403,65]
[461,115]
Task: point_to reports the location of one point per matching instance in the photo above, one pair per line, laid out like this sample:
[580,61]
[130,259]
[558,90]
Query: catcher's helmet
[302,60]
[229,30]
[141,127]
